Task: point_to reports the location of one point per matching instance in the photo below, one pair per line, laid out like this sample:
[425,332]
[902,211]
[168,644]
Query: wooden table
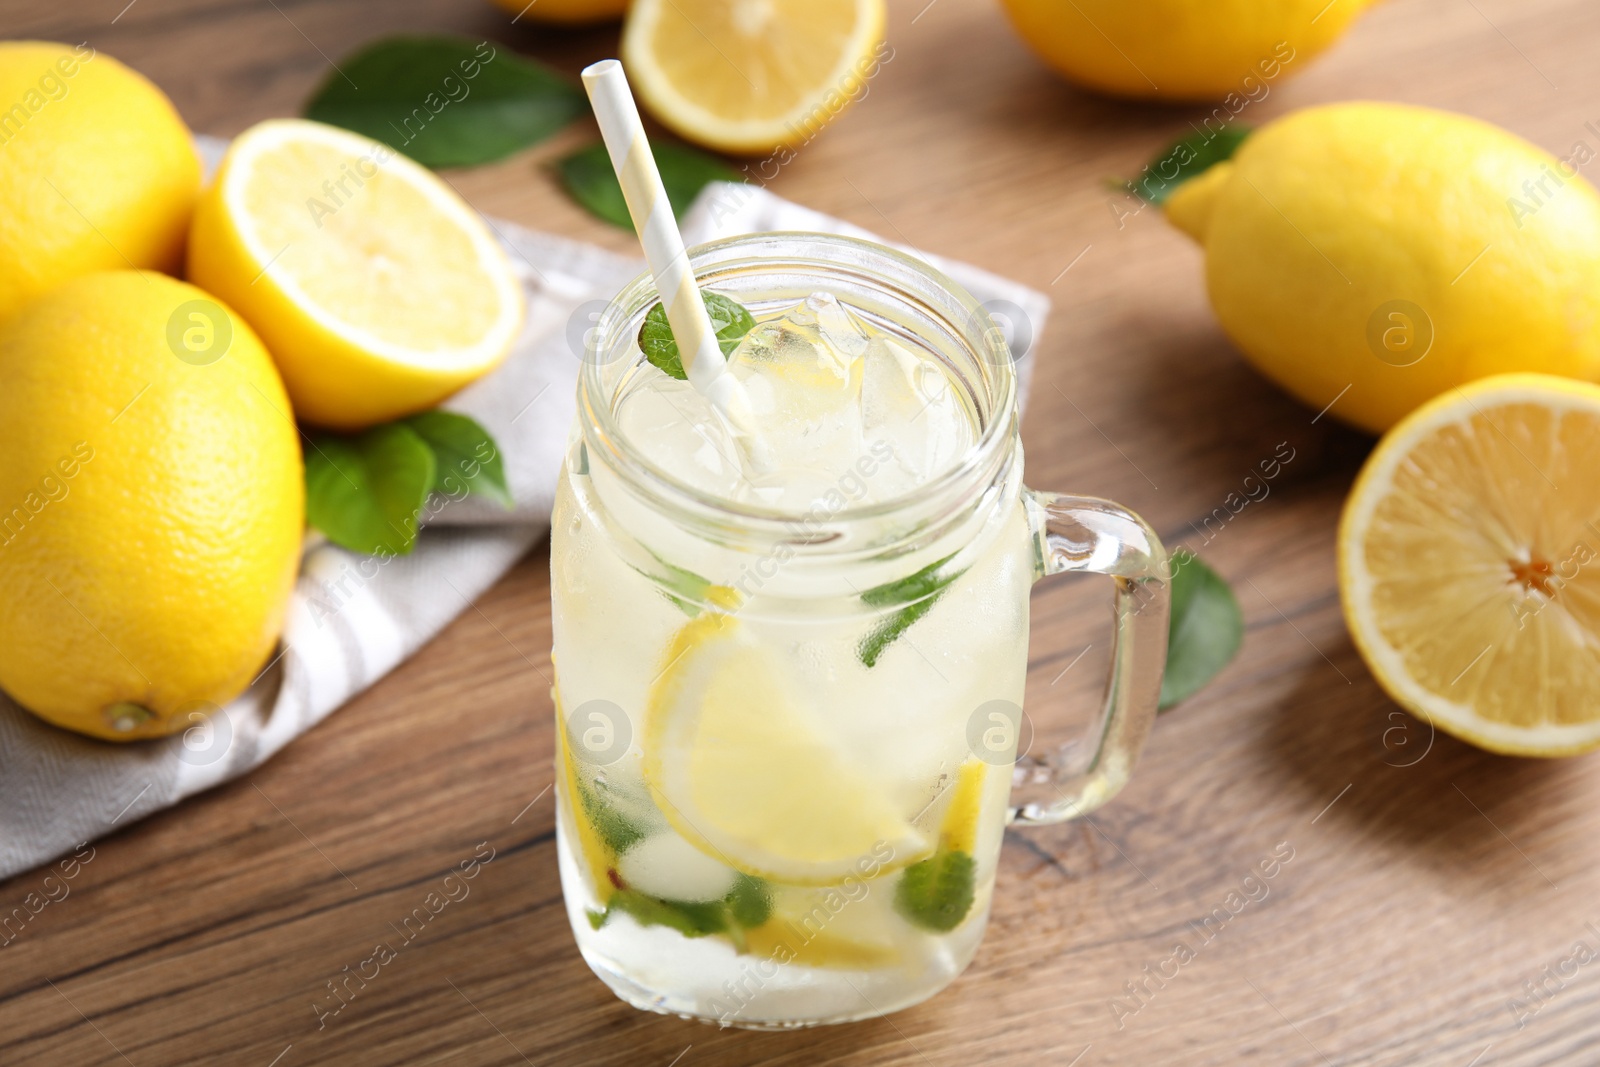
[1428,882]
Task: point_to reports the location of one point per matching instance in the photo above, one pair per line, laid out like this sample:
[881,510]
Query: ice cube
[679,431]
[849,415]
[807,355]
[909,404]
[802,374]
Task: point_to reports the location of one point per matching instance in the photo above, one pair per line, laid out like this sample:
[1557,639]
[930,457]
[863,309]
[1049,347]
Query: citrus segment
[746,774]
[598,857]
[1469,558]
[959,830]
[803,929]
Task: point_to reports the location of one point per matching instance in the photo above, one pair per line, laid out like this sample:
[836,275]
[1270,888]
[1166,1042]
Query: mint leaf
[747,905]
[691,919]
[446,101]
[619,832]
[728,317]
[1205,631]
[918,592]
[688,590]
[587,176]
[937,893]
[367,492]
[466,457]
[750,902]
[1184,159]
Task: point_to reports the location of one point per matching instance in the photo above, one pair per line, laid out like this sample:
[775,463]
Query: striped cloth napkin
[352,620]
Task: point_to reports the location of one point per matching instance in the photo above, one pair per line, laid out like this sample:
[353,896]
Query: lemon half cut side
[749,76]
[377,289]
[1469,564]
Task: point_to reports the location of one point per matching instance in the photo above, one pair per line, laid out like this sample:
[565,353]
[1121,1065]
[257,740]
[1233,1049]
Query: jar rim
[892,274]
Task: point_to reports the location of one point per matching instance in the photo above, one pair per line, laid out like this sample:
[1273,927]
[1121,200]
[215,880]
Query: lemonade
[788,689]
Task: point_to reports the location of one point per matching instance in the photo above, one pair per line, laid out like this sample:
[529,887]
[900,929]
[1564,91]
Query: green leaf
[747,905]
[367,492]
[750,902]
[446,101]
[587,175]
[1184,159]
[466,457]
[917,592]
[937,893]
[688,589]
[1205,631]
[619,832]
[691,919]
[728,317]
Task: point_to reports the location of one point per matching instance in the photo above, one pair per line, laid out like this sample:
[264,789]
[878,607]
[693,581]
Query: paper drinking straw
[657,228]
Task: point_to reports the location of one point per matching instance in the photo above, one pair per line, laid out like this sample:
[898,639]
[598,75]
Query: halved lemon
[746,774]
[749,76]
[1469,564]
[377,290]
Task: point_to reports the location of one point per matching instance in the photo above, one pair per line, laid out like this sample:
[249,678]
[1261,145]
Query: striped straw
[664,250]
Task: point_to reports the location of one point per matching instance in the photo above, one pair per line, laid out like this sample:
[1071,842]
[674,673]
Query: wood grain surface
[1428,881]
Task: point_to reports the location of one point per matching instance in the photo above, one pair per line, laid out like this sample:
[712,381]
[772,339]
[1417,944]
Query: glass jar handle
[1082,534]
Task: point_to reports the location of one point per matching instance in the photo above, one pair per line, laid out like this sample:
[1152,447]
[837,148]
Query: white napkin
[351,621]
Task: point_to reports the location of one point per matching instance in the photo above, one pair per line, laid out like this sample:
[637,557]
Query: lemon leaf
[588,177]
[937,893]
[367,492]
[728,318]
[1184,159]
[467,460]
[917,592]
[1204,632]
[446,101]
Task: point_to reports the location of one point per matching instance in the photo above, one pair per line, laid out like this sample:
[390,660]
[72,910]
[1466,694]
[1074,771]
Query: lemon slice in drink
[749,76]
[378,291]
[744,773]
[1469,564]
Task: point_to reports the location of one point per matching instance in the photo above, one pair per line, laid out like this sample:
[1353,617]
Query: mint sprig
[587,176]
[729,319]
[917,592]
[367,492]
[445,101]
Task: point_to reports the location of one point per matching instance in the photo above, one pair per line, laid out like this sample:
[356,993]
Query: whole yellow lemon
[1181,49]
[97,171]
[1372,256]
[566,12]
[152,505]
